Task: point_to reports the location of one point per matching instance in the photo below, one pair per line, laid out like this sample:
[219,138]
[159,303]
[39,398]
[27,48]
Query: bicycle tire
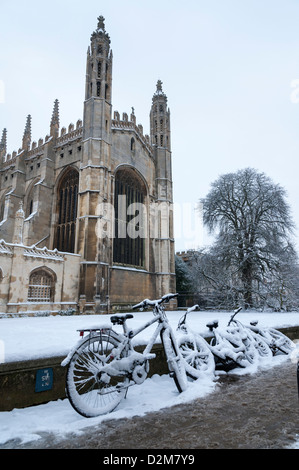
[196,355]
[174,360]
[261,346]
[91,393]
[226,362]
[238,337]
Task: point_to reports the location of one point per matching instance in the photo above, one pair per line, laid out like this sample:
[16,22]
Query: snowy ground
[28,338]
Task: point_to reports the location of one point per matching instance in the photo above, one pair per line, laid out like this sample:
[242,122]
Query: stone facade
[21,265]
[71,186]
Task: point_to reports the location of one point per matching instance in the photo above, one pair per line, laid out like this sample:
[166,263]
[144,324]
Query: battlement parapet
[72,134]
[125,125]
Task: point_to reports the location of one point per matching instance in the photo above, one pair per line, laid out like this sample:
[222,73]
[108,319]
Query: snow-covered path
[252,411]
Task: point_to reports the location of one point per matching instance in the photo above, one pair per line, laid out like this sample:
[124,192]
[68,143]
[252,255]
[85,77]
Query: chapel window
[67,212]
[130,224]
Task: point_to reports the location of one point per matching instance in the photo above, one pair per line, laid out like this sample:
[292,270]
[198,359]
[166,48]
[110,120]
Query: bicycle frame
[127,364]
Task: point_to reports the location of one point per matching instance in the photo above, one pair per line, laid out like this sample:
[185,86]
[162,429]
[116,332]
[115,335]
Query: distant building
[55,196]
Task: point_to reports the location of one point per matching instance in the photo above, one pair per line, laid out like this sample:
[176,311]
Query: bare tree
[253,226]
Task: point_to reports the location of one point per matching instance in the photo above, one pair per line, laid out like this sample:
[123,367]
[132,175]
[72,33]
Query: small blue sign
[44,380]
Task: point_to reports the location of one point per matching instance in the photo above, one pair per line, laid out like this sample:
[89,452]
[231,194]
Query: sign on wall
[44,380]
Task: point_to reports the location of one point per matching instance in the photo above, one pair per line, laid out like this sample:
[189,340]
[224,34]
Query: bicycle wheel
[174,360]
[242,344]
[91,392]
[196,355]
[225,356]
[282,342]
[261,346]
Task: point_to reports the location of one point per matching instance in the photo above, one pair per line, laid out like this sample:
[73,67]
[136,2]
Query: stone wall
[130,286]
[17,262]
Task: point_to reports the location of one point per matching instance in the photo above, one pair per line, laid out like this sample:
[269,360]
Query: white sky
[226,65]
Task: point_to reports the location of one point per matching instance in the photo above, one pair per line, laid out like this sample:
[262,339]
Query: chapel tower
[95,166]
[160,140]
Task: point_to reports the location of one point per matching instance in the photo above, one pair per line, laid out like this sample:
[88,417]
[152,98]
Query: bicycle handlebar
[147,302]
[182,320]
[235,313]
[191,309]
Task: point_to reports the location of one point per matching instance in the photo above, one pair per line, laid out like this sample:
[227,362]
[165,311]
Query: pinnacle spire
[28,126]
[54,126]
[101,23]
[100,32]
[27,133]
[3,142]
[159,86]
[55,114]
[159,90]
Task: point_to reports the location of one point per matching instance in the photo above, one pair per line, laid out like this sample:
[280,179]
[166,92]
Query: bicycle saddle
[120,319]
[212,324]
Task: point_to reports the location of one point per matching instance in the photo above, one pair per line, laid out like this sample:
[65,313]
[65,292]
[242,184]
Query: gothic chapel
[58,195]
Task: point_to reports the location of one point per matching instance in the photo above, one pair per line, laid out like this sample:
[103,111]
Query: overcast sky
[228,67]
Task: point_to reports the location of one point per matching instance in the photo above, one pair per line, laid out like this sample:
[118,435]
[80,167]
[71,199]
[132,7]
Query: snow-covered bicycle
[229,351]
[104,363]
[254,343]
[275,340]
[206,356]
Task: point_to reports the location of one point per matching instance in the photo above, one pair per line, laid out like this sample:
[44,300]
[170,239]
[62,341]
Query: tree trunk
[247,284]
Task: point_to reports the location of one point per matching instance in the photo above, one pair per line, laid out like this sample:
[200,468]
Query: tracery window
[67,212]
[130,229]
[30,203]
[98,89]
[41,286]
[2,206]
